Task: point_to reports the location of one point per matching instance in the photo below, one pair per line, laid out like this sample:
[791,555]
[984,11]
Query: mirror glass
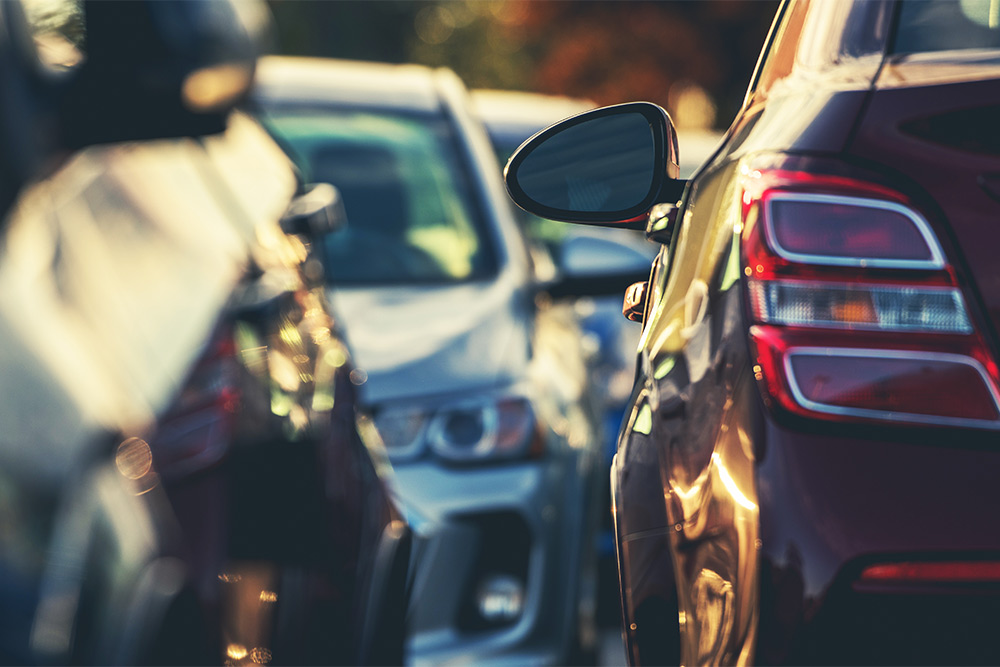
[600,165]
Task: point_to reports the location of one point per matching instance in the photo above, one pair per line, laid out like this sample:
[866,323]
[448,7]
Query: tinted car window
[411,214]
[780,57]
[943,25]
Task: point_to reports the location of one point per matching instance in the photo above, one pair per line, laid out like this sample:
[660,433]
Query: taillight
[853,305]
[197,429]
[856,312]
[844,230]
[938,572]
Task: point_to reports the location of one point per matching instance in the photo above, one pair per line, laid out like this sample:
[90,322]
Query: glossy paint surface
[743,531]
[140,283]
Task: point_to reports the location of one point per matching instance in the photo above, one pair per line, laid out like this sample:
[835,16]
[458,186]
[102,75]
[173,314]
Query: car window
[944,25]
[780,57]
[410,210]
[822,36]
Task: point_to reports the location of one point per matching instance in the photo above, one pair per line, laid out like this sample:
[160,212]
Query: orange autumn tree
[628,50]
[609,51]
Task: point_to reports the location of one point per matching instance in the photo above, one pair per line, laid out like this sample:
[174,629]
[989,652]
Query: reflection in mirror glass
[603,164]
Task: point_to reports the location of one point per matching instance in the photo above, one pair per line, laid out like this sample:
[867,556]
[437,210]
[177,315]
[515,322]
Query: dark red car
[807,471]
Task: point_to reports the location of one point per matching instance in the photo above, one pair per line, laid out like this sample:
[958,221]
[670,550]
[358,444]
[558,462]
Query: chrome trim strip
[936,261]
[885,415]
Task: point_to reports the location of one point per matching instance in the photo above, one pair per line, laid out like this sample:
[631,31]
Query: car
[475,375]
[511,117]
[185,479]
[805,471]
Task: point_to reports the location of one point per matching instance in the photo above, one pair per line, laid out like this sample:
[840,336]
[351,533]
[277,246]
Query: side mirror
[593,265]
[606,166]
[320,210]
[161,68]
[661,222]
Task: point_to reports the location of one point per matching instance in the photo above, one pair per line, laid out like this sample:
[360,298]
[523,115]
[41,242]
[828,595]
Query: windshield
[944,25]
[410,210]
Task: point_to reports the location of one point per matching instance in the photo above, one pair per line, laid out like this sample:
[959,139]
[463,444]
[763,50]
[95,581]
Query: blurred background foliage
[694,57]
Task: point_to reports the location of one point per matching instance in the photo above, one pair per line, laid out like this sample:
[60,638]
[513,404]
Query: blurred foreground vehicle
[807,470]
[479,388]
[182,476]
[511,117]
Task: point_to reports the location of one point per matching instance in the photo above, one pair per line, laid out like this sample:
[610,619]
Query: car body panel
[948,171]
[447,512]
[131,347]
[121,272]
[437,333]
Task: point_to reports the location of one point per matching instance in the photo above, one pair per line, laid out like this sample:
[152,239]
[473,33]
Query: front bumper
[527,520]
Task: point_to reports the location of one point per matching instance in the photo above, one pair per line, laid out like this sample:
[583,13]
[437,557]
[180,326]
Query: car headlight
[466,431]
[402,431]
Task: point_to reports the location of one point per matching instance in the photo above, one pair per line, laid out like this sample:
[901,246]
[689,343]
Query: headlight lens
[402,431]
[468,431]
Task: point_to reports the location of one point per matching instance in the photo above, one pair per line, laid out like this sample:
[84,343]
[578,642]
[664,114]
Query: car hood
[415,341]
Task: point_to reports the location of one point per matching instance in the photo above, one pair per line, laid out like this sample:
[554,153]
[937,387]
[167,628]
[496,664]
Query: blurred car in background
[807,471]
[183,476]
[511,117]
[477,383]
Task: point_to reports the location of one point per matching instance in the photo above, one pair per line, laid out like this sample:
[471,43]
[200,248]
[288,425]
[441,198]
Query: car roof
[525,109]
[404,87]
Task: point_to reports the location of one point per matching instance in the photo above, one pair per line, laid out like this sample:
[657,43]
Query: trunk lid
[936,125]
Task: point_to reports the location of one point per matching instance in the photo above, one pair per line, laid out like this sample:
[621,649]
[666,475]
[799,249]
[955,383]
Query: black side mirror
[606,166]
[161,68]
[661,223]
[320,210]
[598,265]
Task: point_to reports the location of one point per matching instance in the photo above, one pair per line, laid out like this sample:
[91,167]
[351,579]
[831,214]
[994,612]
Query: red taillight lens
[857,314]
[196,431]
[849,231]
[933,572]
[890,384]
